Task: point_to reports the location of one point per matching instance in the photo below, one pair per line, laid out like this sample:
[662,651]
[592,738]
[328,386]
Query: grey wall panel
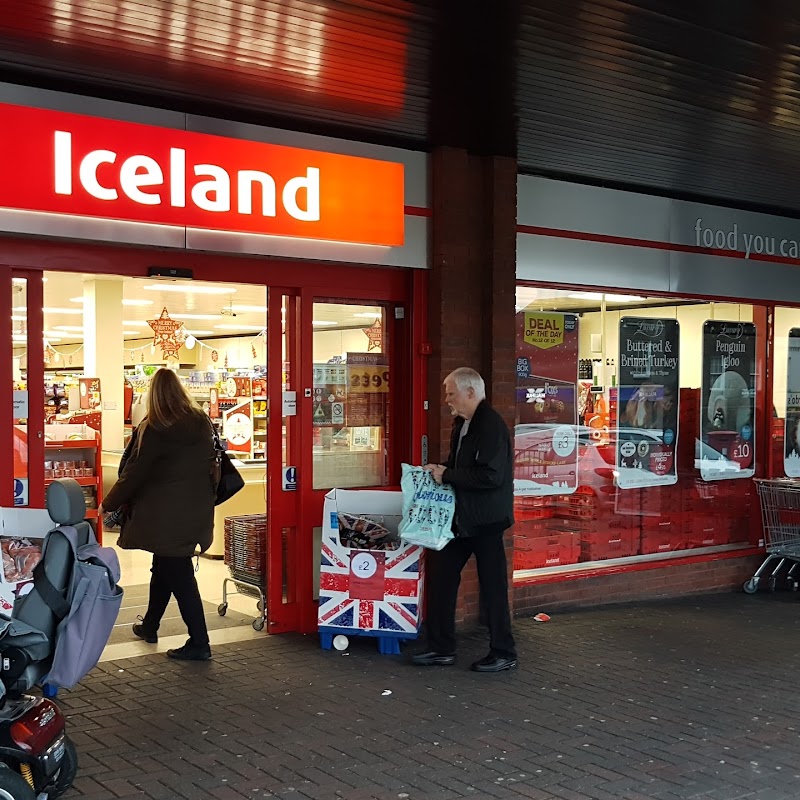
[726,222]
[414,253]
[693,274]
[549,259]
[91,229]
[573,207]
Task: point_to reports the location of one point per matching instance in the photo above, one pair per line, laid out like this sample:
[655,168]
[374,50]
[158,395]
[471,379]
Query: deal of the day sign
[647,435]
[545,442]
[727,410]
[791,453]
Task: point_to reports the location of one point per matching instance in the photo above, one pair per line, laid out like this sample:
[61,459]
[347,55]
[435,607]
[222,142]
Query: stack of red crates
[537,543]
[595,518]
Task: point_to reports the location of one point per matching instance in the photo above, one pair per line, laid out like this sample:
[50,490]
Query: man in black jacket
[480,470]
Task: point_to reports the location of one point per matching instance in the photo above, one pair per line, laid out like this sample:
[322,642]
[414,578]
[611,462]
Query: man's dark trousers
[444,577]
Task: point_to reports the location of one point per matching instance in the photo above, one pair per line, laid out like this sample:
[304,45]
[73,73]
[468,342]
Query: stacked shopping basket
[245,557]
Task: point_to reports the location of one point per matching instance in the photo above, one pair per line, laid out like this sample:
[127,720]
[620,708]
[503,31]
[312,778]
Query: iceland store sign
[76,165]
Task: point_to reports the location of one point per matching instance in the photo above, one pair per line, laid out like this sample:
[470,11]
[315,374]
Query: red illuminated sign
[73,164]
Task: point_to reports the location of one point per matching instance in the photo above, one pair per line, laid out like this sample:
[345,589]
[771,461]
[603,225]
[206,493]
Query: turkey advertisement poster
[791,437]
[545,437]
[727,401]
[647,433]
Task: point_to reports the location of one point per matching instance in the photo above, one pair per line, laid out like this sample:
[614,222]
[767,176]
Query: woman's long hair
[167,403]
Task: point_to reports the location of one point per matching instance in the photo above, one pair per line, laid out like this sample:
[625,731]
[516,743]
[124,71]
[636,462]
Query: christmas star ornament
[166,334]
[375,336]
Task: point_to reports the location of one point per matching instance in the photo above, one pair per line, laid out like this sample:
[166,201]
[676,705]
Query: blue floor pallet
[388,641]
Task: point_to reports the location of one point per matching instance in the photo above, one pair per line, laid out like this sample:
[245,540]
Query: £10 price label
[369,379]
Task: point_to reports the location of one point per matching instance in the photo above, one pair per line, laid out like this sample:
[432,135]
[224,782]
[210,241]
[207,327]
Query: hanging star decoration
[214,356]
[253,349]
[226,359]
[375,336]
[166,334]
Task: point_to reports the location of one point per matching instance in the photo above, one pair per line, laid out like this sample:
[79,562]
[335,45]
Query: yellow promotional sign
[369,379]
[544,330]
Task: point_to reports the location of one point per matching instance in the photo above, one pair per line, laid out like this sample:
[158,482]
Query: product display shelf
[63,446]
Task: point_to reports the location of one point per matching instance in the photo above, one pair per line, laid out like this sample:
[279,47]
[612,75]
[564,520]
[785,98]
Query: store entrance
[299,384]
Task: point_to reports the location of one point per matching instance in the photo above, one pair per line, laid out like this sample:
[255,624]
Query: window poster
[545,437]
[367,389]
[329,395]
[728,397]
[647,432]
[791,437]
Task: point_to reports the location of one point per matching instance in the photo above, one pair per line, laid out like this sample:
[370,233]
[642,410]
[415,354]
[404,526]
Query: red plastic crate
[554,550]
[603,545]
[664,538]
[531,528]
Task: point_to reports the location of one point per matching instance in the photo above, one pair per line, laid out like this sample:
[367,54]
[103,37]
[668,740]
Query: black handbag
[225,477]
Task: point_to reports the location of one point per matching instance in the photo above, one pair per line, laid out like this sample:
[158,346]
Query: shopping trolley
[245,557]
[780,514]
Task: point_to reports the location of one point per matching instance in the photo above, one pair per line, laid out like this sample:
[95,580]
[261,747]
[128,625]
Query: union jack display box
[363,591]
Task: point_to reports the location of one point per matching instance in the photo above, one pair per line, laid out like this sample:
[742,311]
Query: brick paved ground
[688,699]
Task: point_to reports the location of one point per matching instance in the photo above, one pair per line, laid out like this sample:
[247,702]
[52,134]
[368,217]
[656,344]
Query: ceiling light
[19,337]
[323,322]
[53,338]
[200,333]
[76,328]
[188,289]
[18,318]
[133,322]
[25,280]
[131,333]
[367,314]
[585,296]
[63,310]
[125,302]
[239,327]
[250,309]
[195,316]
[623,298]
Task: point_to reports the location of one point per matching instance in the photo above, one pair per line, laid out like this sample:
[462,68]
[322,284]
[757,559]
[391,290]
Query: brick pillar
[472,295]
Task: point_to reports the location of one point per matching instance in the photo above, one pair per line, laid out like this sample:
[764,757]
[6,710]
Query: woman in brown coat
[166,488]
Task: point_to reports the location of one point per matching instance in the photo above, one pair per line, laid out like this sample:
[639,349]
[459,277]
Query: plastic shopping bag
[427,509]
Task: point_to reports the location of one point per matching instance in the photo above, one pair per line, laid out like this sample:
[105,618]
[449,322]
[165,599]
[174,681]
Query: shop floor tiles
[134,604]
[664,701]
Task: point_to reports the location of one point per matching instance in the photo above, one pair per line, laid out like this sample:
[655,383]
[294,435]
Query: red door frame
[343,282]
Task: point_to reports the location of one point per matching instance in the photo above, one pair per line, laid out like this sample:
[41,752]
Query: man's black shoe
[191,652]
[432,659]
[494,664]
[143,632]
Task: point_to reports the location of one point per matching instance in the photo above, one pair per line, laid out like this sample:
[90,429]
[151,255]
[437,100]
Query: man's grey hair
[466,378]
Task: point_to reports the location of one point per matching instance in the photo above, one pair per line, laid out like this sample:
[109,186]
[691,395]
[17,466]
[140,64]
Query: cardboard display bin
[364,590]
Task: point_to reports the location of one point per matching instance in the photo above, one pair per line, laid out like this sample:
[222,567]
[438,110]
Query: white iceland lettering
[247,179]
[219,185]
[311,184]
[63,176]
[138,173]
[88,174]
